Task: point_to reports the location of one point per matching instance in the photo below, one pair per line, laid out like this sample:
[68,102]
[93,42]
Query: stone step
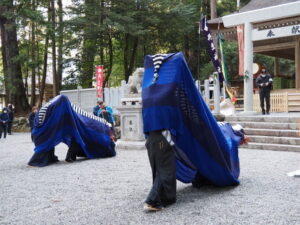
[272,132]
[264,118]
[275,140]
[294,97]
[274,147]
[264,125]
[294,108]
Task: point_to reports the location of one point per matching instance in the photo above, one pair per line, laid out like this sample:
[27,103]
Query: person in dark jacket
[96,109]
[4,118]
[11,111]
[264,82]
[31,116]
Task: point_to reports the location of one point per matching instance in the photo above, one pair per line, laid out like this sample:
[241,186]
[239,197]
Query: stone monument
[132,136]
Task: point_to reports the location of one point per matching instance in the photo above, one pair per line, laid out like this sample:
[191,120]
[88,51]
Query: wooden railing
[278,102]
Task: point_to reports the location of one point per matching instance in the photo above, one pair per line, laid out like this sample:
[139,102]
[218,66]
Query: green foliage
[206,70]
[106,32]
[265,61]
[286,67]
[70,82]
[226,7]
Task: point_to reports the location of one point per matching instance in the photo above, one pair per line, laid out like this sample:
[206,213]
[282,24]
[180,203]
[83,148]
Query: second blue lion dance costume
[60,121]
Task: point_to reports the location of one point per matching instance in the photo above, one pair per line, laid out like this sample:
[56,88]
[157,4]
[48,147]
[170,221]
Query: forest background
[63,41]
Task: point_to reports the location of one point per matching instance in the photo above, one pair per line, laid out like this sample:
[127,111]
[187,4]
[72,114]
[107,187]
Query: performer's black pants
[264,95]
[162,161]
[3,129]
[74,150]
[43,158]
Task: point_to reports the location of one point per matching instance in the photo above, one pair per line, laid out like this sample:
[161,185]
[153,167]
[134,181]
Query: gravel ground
[112,191]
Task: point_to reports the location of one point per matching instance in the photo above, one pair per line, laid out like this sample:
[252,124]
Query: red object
[99,81]
[240,37]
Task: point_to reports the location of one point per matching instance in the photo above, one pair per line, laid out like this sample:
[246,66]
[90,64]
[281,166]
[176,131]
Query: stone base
[130,145]
[249,113]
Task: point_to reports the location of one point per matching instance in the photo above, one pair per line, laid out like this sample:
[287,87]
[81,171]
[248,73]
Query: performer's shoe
[268,113]
[152,208]
[30,166]
[69,160]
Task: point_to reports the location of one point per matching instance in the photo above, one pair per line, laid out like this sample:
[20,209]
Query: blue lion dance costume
[60,121]
[172,102]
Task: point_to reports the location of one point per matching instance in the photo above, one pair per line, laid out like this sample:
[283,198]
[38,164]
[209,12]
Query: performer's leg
[53,157]
[167,174]
[268,101]
[153,196]
[162,160]
[262,102]
[71,154]
[43,158]
[200,181]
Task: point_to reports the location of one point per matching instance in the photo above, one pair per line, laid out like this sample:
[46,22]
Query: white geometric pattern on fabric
[157,61]
[90,115]
[43,111]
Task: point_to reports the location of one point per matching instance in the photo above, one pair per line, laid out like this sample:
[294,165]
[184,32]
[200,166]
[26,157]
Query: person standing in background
[264,82]
[106,112]
[11,111]
[96,108]
[4,118]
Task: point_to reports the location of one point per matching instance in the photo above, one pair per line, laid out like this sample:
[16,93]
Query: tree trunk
[53,26]
[187,47]
[15,90]
[33,59]
[60,44]
[101,16]
[3,43]
[38,69]
[89,46]
[129,67]
[87,63]
[126,42]
[213,9]
[110,49]
[43,81]
[27,68]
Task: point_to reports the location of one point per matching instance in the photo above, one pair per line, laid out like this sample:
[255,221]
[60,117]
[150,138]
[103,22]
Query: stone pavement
[111,191]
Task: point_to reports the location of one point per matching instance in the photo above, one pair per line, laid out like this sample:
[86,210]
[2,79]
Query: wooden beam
[277,23]
[262,15]
[274,47]
[279,54]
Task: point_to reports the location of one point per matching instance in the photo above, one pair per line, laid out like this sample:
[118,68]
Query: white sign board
[278,32]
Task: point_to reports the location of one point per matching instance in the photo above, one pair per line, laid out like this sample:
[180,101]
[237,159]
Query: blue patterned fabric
[59,120]
[172,102]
